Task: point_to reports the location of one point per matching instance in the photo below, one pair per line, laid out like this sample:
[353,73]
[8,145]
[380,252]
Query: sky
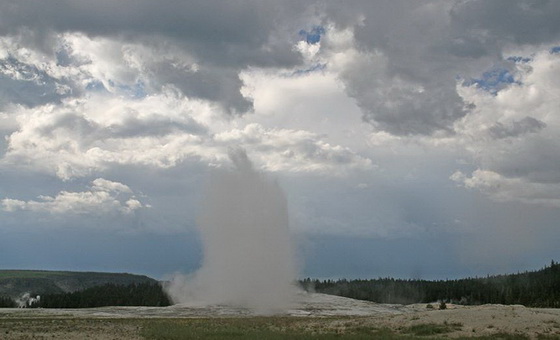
[413,139]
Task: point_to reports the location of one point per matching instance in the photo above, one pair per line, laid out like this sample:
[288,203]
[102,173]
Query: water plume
[26,300]
[248,258]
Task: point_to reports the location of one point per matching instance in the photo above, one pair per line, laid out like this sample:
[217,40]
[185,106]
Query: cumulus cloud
[294,150]
[142,101]
[516,128]
[515,153]
[472,86]
[403,60]
[510,189]
[103,197]
[393,70]
[219,38]
[322,88]
[20,83]
[520,22]
[80,136]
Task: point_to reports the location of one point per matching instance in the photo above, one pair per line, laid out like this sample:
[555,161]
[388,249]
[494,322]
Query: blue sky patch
[95,86]
[313,36]
[311,69]
[137,90]
[555,50]
[493,81]
[518,59]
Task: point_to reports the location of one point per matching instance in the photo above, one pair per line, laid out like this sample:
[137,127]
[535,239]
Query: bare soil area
[67,328]
[478,321]
[313,314]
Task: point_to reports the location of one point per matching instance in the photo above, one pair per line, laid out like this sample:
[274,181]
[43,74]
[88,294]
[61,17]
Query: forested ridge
[143,294]
[66,289]
[7,302]
[15,283]
[533,289]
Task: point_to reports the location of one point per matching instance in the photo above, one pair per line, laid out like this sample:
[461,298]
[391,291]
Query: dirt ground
[316,312]
[486,320]
[68,328]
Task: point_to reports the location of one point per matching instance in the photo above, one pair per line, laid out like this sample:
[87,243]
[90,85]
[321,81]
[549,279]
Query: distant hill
[14,283]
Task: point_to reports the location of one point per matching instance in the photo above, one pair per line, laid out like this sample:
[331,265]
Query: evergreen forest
[532,289]
[7,302]
[142,294]
[539,288]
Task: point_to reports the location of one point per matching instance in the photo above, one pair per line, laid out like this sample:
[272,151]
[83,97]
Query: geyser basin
[248,256]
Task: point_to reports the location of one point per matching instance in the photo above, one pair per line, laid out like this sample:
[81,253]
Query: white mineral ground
[473,320]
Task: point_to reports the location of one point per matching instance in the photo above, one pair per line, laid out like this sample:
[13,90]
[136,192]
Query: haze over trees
[63,289]
[532,289]
[539,288]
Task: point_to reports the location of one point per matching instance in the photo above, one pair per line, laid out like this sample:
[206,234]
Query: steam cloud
[248,259]
[26,300]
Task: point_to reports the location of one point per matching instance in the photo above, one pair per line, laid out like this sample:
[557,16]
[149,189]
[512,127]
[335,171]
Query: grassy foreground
[259,328]
[219,328]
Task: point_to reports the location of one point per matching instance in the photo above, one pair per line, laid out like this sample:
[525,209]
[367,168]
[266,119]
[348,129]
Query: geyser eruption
[248,258]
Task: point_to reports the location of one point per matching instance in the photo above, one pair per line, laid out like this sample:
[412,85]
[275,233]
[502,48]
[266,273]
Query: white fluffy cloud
[513,136]
[409,57]
[81,137]
[225,38]
[103,197]
[388,118]
[85,135]
[503,188]
[332,93]
[121,111]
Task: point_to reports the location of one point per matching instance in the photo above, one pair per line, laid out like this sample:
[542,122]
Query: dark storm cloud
[415,93]
[224,36]
[427,45]
[208,21]
[518,21]
[216,84]
[135,70]
[89,131]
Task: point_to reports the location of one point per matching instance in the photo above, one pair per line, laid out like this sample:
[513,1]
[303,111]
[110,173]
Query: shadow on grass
[427,329]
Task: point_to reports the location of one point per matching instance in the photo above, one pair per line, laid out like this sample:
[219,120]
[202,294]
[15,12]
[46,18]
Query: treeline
[533,289]
[142,294]
[15,282]
[7,302]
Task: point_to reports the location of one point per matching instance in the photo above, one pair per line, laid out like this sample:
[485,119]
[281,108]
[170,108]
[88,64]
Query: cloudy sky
[415,139]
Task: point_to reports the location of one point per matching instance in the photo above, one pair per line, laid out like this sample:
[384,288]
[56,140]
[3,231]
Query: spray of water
[26,300]
[248,258]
